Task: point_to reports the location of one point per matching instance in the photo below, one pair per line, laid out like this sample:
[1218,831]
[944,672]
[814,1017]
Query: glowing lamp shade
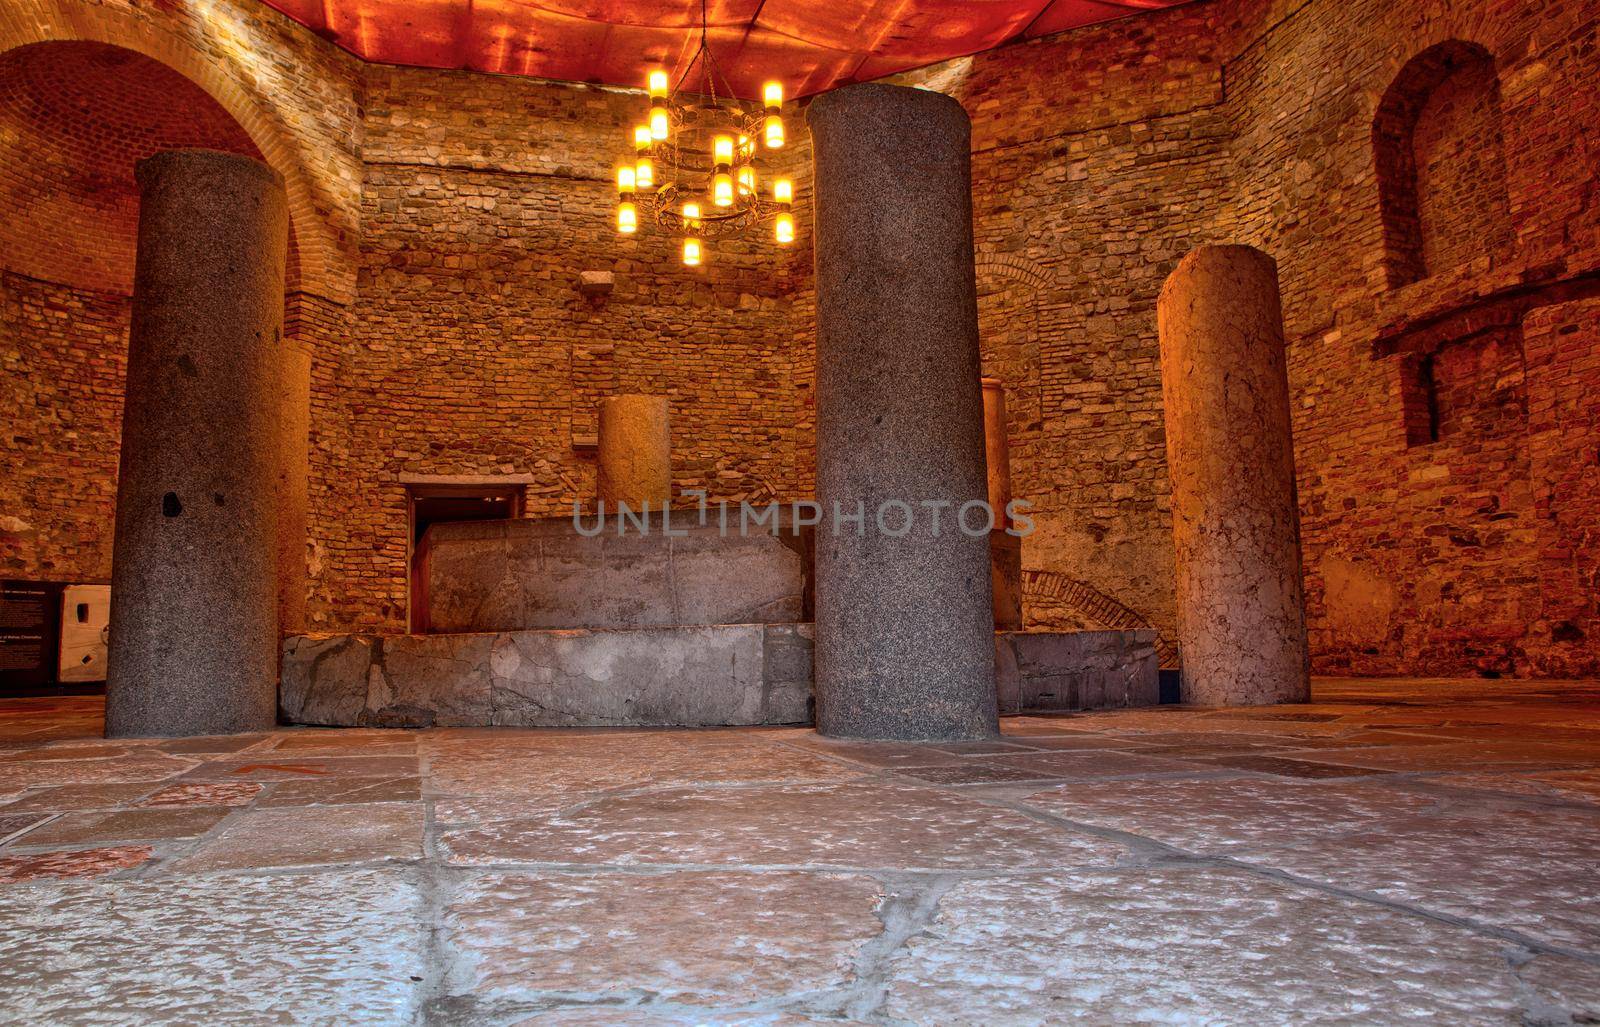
[774,132]
[658,123]
[642,138]
[658,84]
[691,215]
[722,150]
[627,217]
[626,180]
[747,180]
[691,252]
[722,189]
[783,229]
[782,190]
[772,95]
[644,173]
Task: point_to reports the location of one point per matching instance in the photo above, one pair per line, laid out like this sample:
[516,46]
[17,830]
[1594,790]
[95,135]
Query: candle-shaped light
[644,173]
[691,216]
[659,124]
[747,180]
[772,100]
[691,252]
[782,190]
[627,217]
[722,177]
[641,138]
[627,181]
[783,228]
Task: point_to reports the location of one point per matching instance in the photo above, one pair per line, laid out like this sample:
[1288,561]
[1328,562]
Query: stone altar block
[540,574]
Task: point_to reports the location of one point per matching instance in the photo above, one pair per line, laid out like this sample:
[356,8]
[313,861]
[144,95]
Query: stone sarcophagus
[616,572]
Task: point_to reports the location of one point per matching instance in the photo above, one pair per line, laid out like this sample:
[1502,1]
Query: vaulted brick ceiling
[810,45]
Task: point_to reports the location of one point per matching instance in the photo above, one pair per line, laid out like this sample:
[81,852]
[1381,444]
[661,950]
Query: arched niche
[1440,161]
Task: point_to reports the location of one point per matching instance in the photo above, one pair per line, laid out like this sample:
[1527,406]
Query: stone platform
[677,676]
[687,676]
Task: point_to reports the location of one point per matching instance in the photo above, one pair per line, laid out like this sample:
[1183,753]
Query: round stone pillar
[634,457]
[294,473]
[1005,551]
[1230,457]
[905,627]
[194,578]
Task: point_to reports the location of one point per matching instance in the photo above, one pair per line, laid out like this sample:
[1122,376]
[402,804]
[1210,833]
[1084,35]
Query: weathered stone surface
[904,623]
[1005,549]
[194,579]
[528,574]
[1213,946]
[727,674]
[312,836]
[1235,523]
[872,825]
[1076,670]
[1485,863]
[317,677]
[683,938]
[684,676]
[214,949]
[787,676]
[633,463]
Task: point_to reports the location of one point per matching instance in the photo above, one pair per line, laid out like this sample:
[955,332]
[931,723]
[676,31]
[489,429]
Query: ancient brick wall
[478,358]
[1423,173]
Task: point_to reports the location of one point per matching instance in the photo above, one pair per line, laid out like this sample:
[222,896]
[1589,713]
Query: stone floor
[1394,851]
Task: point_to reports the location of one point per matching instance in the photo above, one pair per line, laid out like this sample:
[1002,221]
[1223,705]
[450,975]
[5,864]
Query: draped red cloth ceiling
[809,45]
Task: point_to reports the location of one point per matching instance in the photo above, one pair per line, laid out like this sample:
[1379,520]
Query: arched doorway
[75,118]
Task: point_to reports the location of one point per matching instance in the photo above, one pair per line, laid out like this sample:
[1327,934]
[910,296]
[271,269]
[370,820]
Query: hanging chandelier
[696,169]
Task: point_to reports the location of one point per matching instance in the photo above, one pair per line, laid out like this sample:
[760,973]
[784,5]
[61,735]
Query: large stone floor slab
[1394,852]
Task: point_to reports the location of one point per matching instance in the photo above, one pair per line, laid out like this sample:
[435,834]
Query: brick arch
[1094,607]
[1440,162]
[1015,268]
[47,21]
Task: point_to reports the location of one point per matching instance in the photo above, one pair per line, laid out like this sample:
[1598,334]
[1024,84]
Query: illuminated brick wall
[1423,173]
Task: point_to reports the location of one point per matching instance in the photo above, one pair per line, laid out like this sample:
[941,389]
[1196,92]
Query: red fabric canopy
[809,45]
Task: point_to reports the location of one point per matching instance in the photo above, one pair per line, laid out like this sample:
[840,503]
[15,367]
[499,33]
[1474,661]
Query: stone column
[634,457]
[1230,457]
[905,626]
[194,582]
[294,473]
[1005,551]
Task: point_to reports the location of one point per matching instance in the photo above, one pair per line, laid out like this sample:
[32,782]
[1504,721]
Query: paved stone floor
[1393,851]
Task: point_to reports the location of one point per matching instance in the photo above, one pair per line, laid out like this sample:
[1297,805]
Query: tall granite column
[905,628]
[634,458]
[1230,457]
[194,583]
[294,474]
[1005,550]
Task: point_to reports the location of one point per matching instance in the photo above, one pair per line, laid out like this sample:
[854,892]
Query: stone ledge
[699,676]
[1076,670]
[686,676]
